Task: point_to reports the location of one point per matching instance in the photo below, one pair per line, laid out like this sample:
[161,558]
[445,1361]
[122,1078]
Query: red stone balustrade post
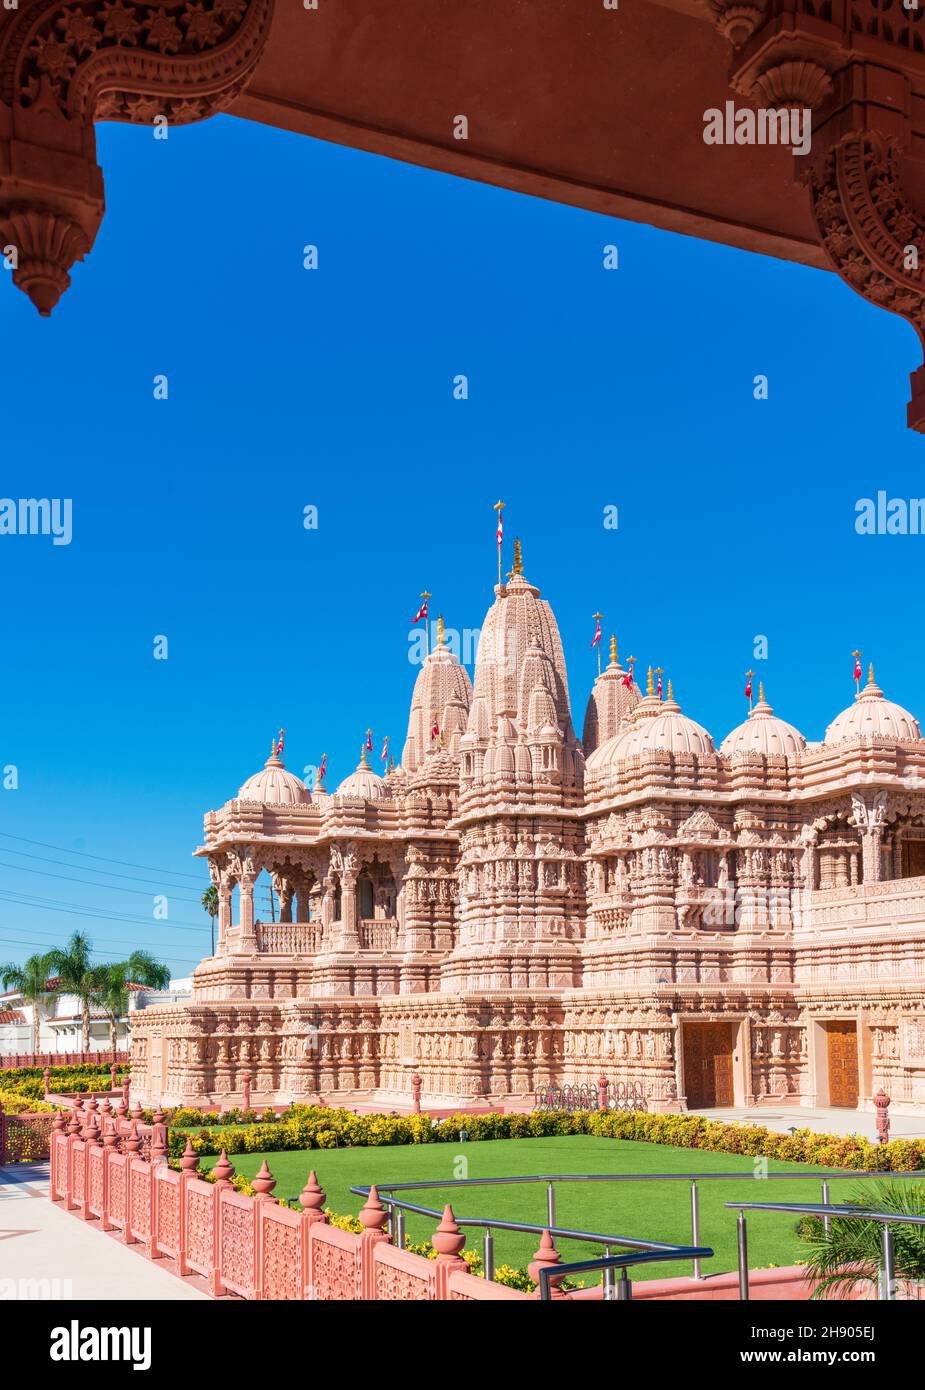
[110,1146]
[246,1089]
[603,1090]
[112,1076]
[417,1081]
[189,1169]
[882,1102]
[58,1126]
[130,1146]
[46,1080]
[373,1217]
[312,1199]
[546,1257]
[225,1172]
[159,1138]
[126,1085]
[263,1185]
[448,1241]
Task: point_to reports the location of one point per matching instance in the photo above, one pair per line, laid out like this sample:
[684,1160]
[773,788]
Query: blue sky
[333,388]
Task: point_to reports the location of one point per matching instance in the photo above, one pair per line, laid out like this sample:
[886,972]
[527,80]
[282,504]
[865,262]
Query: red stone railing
[250,1247]
[13,1060]
[24,1138]
[288,938]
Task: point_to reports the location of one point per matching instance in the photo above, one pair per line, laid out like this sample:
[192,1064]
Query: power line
[107,873]
[126,863]
[88,882]
[56,905]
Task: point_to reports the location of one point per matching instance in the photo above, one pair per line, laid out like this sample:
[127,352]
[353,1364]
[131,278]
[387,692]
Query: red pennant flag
[279,746]
[385,749]
[748,687]
[660,687]
[628,679]
[323,768]
[369,740]
[435,729]
[500,533]
[857,668]
[421,613]
[597,635]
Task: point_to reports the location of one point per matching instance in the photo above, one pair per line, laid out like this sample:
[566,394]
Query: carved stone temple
[511,906]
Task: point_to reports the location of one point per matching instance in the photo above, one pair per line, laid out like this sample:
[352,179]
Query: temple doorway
[842,1049]
[708,1053]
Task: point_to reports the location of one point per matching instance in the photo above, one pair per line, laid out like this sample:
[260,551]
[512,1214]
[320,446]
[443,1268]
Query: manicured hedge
[315,1127]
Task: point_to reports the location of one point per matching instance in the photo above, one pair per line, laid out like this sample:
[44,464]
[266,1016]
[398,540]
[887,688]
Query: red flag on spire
[628,679]
[435,729]
[421,613]
[279,746]
[659,685]
[385,749]
[369,740]
[857,667]
[500,532]
[597,635]
[748,686]
[323,768]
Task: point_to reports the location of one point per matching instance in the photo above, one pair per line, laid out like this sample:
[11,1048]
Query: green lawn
[646,1210]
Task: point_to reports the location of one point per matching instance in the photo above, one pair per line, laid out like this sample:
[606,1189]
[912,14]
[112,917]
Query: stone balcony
[378,933]
[288,938]
[890,902]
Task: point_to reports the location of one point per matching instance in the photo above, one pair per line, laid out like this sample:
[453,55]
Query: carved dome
[442,691]
[519,661]
[872,716]
[610,704]
[363,783]
[274,786]
[655,725]
[763,732]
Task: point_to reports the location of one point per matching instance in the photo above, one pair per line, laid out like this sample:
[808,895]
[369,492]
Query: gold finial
[441,639]
[761,692]
[613,650]
[272,747]
[363,755]
[870,675]
[518,565]
[670,691]
[650,683]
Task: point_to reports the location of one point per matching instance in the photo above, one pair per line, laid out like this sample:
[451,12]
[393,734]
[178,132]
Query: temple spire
[441,636]
[613,650]
[517,568]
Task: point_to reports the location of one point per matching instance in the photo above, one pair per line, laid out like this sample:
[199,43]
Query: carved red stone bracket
[64,66]
[859,66]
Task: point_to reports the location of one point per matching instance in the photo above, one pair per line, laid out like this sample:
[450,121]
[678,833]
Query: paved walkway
[39,1241]
[827,1121]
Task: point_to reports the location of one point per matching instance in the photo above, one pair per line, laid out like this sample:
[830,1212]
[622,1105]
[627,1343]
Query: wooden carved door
[843,1064]
[708,1065]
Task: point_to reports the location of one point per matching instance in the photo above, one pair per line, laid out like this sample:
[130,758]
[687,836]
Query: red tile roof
[12,1016]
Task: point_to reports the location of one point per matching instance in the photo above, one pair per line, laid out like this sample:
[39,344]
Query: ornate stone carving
[64,66]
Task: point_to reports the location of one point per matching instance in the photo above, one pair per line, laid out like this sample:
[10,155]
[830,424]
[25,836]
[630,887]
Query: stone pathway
[47,1253]
[823,1121]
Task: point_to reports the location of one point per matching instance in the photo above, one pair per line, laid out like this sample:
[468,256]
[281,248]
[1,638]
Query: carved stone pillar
[225,893]
[350,940]
[65,65]
[248,938]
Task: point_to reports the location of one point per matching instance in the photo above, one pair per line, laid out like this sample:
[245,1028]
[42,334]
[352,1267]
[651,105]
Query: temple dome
[363,783]
[655,726]
[610,704]
[442,691]
[872,716]
[520,651]
[274,786]
[763,732]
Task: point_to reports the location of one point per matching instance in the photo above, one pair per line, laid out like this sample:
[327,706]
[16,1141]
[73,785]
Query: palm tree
[31,981]
[78,975]
[849,1253]
[141,969]
[209,902]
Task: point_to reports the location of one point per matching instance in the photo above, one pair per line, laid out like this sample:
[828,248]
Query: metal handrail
[608,1263]
[397,1207]
[829,1212]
